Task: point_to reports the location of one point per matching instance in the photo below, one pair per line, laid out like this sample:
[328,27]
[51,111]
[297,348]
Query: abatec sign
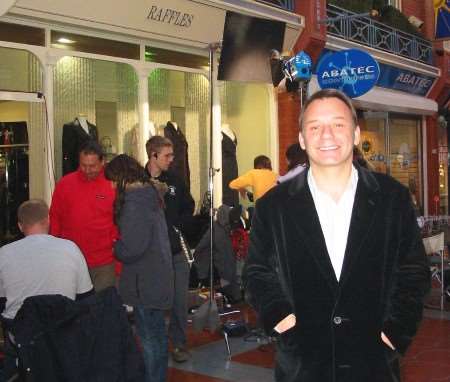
[352,71]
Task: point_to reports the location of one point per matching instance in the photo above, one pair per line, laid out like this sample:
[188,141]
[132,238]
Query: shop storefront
[68,66]
[392,118]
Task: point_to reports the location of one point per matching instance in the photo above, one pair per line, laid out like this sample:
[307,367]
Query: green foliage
[388,14]
[391,16]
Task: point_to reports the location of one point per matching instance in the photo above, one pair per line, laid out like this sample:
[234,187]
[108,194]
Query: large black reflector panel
[246,48]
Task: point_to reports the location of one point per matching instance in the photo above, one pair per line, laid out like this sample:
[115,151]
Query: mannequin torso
[83,123]
[228,132]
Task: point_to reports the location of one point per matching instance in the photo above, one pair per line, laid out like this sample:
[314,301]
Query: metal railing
[284,4]
[369,32]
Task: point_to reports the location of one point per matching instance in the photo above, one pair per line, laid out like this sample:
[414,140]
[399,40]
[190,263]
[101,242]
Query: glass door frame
[387,117]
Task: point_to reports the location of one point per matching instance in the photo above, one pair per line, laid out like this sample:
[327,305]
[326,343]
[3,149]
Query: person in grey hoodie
[146,281]
[223,253]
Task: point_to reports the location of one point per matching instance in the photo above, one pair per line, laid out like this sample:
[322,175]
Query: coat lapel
[363,217]
[303,216]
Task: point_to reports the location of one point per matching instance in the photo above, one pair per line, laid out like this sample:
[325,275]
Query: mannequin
[180,164]
[228,132]
[75,134]
[151,130]
[82,119]
[229,166]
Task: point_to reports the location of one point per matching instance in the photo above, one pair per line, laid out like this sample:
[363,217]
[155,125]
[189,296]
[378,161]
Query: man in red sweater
[82,211]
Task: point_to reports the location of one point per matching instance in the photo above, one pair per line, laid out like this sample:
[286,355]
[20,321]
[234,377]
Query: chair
[434,247]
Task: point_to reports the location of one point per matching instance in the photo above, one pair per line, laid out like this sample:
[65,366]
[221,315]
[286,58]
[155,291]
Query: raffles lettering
[347,72]
[415,81]
[170,16]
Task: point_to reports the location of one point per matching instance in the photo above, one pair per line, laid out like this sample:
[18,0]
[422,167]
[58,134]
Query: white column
[49,139]
[144,119]
[274,141]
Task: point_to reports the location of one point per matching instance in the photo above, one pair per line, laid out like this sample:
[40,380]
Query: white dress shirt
[335,218]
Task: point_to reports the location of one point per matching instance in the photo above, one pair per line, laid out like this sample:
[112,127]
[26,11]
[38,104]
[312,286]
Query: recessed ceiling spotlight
[64,40]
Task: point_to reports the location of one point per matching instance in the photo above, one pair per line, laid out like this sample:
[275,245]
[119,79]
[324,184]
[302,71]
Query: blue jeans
[151,329]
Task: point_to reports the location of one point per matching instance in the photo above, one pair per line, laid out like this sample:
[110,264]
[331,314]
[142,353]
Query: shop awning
[184,22]
[380,99]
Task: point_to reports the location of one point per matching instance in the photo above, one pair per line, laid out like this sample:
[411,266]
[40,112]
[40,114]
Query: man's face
[90,165]
[328,134]
[163,159]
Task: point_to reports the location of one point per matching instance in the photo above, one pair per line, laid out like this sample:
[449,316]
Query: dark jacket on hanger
[180,164]
[88,340]
[74,136]
[229,171]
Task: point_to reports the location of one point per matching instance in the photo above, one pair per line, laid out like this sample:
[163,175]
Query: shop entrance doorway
[390,143]
[14,166]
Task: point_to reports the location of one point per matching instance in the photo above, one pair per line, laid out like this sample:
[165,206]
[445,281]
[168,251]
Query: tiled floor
[427,360]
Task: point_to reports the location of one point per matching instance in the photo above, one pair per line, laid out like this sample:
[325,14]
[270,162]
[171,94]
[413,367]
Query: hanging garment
[180,164]
[229,171]
[14,177]
[74,136]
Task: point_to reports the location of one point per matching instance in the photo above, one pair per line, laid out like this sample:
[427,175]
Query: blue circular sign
[352,71]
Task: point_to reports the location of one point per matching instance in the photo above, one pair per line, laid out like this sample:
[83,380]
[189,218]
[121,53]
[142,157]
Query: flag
[442,18]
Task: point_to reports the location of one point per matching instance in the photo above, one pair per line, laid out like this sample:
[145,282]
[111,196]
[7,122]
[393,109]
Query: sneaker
[180,355]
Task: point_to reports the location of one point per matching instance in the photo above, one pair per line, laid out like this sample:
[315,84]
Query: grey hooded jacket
[144,250]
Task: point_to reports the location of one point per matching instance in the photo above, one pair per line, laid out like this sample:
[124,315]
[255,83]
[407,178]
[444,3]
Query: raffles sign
[168,20]
[170,16]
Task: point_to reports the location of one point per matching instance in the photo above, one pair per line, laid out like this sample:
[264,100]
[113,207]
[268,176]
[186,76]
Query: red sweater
[82,211]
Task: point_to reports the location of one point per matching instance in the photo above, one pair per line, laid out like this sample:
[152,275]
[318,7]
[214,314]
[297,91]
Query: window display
[94,99]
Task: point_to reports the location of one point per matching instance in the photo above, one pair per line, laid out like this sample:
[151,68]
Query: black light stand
[207,315]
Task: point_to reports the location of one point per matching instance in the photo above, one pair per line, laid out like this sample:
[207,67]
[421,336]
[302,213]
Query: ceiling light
[64,40]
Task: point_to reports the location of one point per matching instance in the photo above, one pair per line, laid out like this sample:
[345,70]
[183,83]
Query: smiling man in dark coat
[336,264]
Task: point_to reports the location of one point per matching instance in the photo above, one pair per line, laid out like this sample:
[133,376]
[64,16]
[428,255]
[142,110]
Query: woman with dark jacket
[146,281]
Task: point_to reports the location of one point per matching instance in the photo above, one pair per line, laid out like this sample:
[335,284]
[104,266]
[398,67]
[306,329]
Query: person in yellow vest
[261,179]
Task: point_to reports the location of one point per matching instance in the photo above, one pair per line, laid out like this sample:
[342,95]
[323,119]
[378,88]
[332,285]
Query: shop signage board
[404,80]
[352,71]
[178,19]
[392,77]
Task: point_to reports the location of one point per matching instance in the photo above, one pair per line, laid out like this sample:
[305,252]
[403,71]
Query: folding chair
[434,247]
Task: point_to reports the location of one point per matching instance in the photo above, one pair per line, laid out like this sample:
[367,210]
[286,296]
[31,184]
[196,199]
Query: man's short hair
[156,143]
[261,161]
[329,93]
[31,212]
[92,147]
[296,155]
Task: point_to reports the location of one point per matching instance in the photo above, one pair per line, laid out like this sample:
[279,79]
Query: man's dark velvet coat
[384,279]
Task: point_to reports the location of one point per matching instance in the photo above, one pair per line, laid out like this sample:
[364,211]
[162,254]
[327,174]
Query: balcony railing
[366,31]
[284,4]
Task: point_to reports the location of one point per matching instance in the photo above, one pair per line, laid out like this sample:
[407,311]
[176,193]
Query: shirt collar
[351,185]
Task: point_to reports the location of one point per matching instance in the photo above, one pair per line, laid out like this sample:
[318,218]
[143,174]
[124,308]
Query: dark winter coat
[384,279]
[90,340]
[144,249]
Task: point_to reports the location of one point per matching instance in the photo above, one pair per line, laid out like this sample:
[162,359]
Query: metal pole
[212,48]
